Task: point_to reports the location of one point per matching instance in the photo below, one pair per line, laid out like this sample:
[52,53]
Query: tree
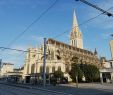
[75,73]
[57,76]
[91,72]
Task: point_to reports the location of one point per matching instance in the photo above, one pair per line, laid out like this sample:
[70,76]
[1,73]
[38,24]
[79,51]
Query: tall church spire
[76,35]
[75,23]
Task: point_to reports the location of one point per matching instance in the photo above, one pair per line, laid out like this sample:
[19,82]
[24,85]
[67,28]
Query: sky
[16,15]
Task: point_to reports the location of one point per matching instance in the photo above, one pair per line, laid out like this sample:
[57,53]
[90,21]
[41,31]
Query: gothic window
[33,55]
[41,69]
[59,68]
[47,70]
[53,69]
[58,52]
[75,42]
[111,64]
[32,68]
[52,54]
[28,69]
[58,57]
[72,42]
[67,68]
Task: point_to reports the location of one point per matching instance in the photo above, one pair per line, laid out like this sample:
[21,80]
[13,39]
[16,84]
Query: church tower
[75,35]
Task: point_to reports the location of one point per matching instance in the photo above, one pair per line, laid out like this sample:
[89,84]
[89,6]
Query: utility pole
[44,64]
[0,66]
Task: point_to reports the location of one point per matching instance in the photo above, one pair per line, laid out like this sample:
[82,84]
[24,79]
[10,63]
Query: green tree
[75,73]
[91,72]
[57,76]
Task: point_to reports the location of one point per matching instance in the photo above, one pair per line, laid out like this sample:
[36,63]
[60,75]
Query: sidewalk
[98,86]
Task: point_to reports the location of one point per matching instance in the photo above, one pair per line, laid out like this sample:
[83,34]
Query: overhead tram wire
[36,20]
[81,23]
[57,35]
[18,50]
[96,7]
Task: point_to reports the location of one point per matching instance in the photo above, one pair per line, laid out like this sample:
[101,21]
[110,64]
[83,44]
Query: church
[58,55]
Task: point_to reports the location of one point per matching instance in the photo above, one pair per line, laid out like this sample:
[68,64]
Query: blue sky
[16,15]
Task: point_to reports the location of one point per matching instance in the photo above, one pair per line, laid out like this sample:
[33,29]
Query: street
[12,90]
[84,89]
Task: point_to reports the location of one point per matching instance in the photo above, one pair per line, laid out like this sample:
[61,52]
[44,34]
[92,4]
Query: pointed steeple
[75,23]
[95,52]
[76,35]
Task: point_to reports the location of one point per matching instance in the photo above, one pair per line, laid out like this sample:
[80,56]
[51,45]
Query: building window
[67,68]
[32,68]
[72,42]
[59,68]
[52,55]
[27,68]
[41,69]
[53,69]
[111,64]
[47,70]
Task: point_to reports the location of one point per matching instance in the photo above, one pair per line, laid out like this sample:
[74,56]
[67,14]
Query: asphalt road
[13,90]
[84,89]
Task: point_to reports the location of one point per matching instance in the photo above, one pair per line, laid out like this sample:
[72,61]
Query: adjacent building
[111,47]
[8,73]
[5,68]
[106,70]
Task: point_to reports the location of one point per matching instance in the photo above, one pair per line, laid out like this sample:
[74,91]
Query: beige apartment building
[5,68]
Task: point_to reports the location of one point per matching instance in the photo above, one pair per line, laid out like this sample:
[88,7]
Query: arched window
[53,69]
[67,68]
[72,42]
[47,70]
[52,55]
[27,68]
[32,68]
[41,69]
[59,68]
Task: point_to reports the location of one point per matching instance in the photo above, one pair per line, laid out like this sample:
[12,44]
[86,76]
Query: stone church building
[58,55]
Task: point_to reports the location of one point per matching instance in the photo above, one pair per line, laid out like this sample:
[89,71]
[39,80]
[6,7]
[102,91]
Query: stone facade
[59,55]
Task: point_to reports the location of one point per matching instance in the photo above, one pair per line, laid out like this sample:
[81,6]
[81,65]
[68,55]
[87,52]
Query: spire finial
[95,52]
[75,23]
